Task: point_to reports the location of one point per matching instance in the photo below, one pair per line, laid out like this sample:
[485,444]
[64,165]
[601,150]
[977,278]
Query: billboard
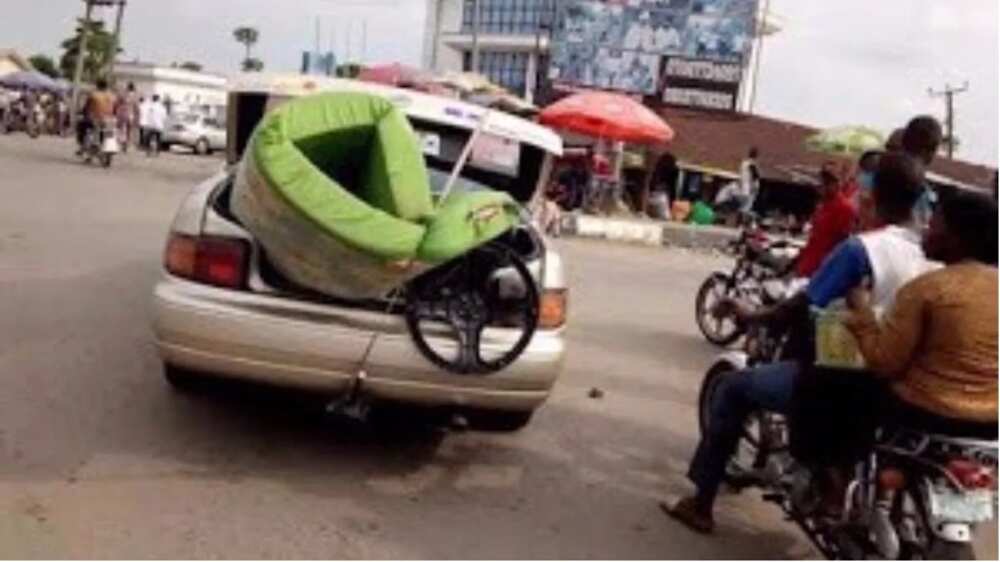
[624,44]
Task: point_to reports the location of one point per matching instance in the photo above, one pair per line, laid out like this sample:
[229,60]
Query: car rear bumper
[292,343]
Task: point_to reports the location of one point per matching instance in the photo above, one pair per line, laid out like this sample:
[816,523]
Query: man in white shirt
[157,122]
[143,119]
[749,180]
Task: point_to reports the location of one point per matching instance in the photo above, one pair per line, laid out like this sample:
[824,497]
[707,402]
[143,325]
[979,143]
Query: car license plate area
[967,507]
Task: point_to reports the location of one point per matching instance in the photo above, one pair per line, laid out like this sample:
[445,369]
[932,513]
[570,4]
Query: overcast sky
[845,62]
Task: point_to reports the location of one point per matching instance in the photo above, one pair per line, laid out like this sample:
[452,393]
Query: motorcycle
[101,144]
[759,275]
[915,496]
[18,117]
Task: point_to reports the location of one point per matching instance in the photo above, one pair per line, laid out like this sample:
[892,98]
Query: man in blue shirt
[898,185]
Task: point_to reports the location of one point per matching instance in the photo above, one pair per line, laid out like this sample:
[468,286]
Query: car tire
[500,421]
[201,148]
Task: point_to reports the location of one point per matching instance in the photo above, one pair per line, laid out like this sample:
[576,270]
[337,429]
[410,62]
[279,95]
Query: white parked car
[200,133]
[221,308]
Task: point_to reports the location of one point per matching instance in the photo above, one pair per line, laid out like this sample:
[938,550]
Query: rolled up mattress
[317,232]
[335,189]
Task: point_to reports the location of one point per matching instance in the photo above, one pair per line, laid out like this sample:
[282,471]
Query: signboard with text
[701,83]
[624,44]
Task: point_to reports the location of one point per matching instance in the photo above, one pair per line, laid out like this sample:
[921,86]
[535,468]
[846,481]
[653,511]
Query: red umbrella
[607,116]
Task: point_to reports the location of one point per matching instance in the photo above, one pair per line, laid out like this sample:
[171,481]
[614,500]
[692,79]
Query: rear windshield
[495,162]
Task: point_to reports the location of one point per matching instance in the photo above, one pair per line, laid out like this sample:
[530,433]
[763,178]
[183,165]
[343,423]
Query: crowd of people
[917,273]
[134,118]
[137,120]
[25,108]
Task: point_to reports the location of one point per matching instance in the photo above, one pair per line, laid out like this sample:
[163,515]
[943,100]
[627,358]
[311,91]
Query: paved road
[99,458]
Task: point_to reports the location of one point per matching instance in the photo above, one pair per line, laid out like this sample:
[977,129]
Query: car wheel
[183,380]
[506,422]
[201,147]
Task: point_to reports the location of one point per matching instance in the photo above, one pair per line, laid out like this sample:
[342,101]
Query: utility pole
[476,19]
[116,42]
[81,53]
[948,93]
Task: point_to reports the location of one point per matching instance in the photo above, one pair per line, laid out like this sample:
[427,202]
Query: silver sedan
[219,309]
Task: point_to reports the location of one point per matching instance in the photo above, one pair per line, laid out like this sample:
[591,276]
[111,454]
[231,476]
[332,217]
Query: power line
[948,93]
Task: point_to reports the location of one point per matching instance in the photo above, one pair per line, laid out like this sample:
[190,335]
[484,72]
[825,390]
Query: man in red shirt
[832,222]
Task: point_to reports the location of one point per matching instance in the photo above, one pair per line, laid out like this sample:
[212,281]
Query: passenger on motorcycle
[890,256]
[938,344]
[99,108]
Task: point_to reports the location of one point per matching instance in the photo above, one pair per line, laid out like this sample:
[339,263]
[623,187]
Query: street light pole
[475,35]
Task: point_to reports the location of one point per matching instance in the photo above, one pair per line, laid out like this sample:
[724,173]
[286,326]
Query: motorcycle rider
[938,344]
[100,107]
[832,222]
[890,255]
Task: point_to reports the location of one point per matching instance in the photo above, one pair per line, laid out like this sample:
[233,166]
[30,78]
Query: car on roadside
[202,134]
[221,309]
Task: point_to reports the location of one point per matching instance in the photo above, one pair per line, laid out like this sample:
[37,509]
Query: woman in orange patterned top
[938,343]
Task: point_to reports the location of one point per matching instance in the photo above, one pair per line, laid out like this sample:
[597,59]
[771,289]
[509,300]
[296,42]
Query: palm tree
[247,36]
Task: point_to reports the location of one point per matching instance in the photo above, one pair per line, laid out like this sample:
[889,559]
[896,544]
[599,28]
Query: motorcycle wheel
[715,330]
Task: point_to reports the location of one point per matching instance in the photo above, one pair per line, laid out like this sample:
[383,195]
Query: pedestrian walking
[157,122]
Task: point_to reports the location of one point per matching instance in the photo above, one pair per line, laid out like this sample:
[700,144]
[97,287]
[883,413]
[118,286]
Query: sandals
[687,512]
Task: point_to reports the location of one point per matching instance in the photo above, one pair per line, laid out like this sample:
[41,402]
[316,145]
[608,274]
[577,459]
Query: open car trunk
[523,239]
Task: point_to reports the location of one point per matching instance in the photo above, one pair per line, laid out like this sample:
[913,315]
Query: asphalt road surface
[100,458]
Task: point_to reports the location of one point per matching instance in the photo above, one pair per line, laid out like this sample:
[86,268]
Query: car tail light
[212,260]
[971,474]
[552,309]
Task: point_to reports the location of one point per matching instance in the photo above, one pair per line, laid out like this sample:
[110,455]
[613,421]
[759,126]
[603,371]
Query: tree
[348,70]
[248,37]
[100,47]
[190,65]
[253,65]
[44,64]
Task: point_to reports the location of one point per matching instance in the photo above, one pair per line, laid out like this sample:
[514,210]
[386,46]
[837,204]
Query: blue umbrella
[30,79]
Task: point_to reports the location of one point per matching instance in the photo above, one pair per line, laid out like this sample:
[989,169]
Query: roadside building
[709,147]
[11,61]
[513,40]
[182,90]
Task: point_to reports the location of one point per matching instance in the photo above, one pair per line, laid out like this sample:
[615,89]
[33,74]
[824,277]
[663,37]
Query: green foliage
[248,37]
[253,65]
[348,70]
[100,47]
[45,64]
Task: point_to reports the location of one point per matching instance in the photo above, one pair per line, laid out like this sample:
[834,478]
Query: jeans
[766,387]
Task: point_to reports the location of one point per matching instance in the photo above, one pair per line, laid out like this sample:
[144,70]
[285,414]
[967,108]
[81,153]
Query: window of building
[508,17]
[505,68]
